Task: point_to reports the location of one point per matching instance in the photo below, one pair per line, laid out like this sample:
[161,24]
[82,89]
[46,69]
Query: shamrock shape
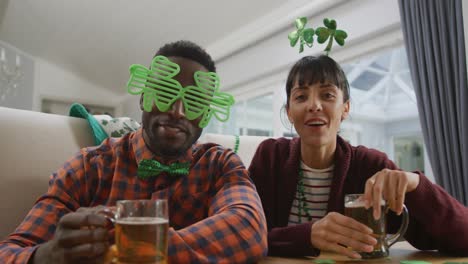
[414,262]
[305,36]
[330,32]
[158,86]
[324,261]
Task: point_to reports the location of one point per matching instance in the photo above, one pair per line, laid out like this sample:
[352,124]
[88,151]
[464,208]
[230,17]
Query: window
[251,117]
[255,118]
[384,107]
[409,153]
[255,132]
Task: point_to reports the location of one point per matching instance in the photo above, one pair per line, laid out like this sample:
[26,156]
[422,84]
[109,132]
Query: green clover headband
[305,36]
[157,85]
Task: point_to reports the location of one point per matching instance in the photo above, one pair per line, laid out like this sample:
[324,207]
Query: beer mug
[355,208]
[141,228]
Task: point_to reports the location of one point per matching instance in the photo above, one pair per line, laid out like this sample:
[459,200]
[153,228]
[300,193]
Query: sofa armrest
[33,146]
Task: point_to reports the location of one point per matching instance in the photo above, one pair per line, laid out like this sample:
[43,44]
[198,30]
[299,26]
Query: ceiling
[99,40]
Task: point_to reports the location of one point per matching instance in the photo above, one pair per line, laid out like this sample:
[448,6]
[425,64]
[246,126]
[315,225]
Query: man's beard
[170,151]
[164,149]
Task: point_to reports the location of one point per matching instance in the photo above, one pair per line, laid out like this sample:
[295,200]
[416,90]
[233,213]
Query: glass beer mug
[141,228]
[355,208]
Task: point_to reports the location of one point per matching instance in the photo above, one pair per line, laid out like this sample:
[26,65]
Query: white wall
[45,80]
[54,83]
[130,107]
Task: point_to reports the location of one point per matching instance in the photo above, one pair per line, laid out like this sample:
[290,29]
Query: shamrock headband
[158,86]
[305,36]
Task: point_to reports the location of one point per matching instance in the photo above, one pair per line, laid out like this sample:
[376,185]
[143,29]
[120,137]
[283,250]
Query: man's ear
[346,109]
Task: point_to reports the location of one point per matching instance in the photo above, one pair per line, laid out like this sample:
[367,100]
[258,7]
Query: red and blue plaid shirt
[215,213]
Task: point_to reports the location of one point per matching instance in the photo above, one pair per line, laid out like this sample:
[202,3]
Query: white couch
[34,144]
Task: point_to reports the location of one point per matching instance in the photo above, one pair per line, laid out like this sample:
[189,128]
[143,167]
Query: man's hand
[391,185]
[80,237]
[343,235]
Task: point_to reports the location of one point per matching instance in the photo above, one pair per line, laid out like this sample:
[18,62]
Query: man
[215,213]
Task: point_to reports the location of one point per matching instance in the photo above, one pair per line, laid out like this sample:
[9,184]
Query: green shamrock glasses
[158,86]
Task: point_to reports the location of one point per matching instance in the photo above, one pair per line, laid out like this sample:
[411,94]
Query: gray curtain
[435,44]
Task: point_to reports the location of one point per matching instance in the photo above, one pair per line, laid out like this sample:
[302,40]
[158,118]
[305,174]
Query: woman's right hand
[343,235]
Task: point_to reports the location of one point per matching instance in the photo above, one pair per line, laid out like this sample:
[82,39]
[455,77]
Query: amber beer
[357,210]
[141,240]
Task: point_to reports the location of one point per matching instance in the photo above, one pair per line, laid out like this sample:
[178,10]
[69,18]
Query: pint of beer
[141,231]
[355,208]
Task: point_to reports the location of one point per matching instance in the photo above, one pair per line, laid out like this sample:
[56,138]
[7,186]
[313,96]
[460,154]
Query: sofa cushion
[104,126]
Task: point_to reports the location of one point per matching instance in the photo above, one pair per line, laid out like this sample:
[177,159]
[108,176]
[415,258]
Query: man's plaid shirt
[215,213]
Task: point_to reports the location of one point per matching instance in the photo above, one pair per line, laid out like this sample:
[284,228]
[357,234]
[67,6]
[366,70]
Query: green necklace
[236,144]
[301,200]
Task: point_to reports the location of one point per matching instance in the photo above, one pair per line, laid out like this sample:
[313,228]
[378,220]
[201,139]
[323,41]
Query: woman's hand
[391,185]
[341,234]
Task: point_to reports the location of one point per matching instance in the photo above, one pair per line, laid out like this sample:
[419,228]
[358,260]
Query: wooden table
[399,251]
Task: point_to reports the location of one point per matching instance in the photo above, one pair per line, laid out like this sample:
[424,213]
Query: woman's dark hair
[310,70]
[188,50]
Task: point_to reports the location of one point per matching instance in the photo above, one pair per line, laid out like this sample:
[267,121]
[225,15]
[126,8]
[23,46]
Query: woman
[302,181]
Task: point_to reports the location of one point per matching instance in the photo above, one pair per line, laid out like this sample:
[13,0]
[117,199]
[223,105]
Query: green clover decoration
[158,86]
[330,32]
[305,36]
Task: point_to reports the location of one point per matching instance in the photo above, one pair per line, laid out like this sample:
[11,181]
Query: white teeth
[314,123]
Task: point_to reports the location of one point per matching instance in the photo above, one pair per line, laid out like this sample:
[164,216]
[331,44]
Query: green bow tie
[148,168]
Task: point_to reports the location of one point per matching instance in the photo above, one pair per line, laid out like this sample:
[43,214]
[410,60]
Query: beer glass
[355,208]
[141,228]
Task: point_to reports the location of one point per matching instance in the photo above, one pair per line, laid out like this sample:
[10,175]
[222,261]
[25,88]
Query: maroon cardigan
[437,221]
